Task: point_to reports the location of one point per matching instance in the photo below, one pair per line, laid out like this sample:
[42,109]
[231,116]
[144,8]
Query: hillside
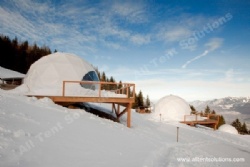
[230,107]
[40,133]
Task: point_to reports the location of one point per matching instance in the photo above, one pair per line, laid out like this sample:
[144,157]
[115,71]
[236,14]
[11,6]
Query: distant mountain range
[230,107]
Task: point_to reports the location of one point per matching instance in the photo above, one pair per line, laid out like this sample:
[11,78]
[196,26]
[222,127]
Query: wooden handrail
[208,116]
[126,86]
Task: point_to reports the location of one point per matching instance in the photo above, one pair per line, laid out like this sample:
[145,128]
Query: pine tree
[103,77]
[244,129]
[193,110]
[207,110]
[148,101]
[120,85]
[112,87]
[135,104]
[140,99]
[237,124]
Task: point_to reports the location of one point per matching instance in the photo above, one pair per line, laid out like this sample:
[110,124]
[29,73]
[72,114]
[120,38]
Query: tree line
[19,56]
[241,127]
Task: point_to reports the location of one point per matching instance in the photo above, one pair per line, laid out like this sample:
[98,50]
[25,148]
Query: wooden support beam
[116,110]
[113,107]
[129,114]
[123,112]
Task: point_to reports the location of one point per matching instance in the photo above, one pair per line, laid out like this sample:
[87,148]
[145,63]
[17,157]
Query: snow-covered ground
[39,133]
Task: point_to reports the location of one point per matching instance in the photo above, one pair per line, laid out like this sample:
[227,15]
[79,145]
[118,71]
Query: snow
[171,108]
[40,133]
[6,74]
[228,128]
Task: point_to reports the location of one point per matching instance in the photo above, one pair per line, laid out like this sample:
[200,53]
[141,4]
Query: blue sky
[194,49]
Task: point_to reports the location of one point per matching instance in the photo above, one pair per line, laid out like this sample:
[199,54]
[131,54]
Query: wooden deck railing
[208,117]
[127,89]
[211,120]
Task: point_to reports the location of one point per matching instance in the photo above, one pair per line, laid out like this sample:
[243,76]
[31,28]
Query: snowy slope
[42,134]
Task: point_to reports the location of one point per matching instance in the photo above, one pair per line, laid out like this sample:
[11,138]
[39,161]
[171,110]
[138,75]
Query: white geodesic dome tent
[228,129]
[46,76]
[171,108]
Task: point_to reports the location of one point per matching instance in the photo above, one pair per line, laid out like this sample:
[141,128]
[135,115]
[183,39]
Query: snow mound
[171,108]
[46,76]
[228,128]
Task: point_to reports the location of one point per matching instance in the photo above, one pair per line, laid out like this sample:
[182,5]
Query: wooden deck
[126,89]
[208,121]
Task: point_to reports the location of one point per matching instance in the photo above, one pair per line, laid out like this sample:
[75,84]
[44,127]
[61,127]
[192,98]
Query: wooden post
[118,109]
[215,125]
[133,91]
[127,91]
[100,85]
[129,114]
[63,91]
[177,134]
[113,108]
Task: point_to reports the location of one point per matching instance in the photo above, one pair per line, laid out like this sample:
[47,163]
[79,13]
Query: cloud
[15,22]
[180,27]
[140,39]
[214,44]
[194,59]
[174,34]
[109,29]
[132,11]
[32,6]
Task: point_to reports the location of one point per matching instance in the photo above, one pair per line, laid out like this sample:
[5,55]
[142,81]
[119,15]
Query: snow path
[42,134]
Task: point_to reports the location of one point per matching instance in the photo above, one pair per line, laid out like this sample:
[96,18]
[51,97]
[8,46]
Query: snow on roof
[171,108]
[10,74]
[228,128]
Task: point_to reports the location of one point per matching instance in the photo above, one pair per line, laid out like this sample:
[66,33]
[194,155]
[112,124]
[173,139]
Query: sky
[198,50]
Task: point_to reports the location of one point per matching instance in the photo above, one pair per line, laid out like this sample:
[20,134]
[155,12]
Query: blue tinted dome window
[90,76]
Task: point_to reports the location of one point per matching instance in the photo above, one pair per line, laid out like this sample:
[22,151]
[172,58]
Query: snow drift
[228,128]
